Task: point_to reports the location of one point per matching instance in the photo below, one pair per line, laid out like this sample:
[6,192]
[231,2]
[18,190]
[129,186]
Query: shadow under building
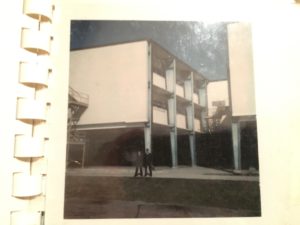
[137,93]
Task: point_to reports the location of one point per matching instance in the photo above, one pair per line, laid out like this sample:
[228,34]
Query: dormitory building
[125,94]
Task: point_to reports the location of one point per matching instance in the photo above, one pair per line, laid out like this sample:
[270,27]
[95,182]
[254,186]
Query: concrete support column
[236,141]
[148,127]
[203,120]
[173,139]
[202,96]
[192,140]
[173,132]
[203,104]
[190,120]
[147,137]
[189,87]
[172,111]
[188,91]
[170,80]
[83,155]
[190,117]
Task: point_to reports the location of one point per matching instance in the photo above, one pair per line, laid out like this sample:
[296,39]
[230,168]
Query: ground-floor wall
[214,150]
[249,145]
[117,147]
[161,148]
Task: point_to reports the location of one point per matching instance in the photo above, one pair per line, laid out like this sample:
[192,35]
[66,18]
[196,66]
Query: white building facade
[141,85]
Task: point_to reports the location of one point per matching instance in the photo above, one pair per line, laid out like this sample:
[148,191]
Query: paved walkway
[164,172]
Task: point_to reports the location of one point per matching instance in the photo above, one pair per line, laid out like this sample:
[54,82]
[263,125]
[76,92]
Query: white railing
[160,115]
[159,81]
[197,126]
[181,121]
[195,98]
[179,90]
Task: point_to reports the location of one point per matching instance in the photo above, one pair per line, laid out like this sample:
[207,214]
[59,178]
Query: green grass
[212,193]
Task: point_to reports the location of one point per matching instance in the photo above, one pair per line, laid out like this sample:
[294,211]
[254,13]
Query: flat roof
[149,41]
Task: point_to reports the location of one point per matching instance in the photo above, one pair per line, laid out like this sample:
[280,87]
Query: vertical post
[68,134]
[147,136]
[170,79]
[189,91]
[171,113]
[203,104]
[148,126]
[173,131]
[202,95]
[173,139]
[190,117]
[192,148]
[83,155]
[171,84]
[236,140]
[203,119]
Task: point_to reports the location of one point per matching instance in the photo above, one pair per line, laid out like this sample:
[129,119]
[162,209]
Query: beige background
[276,50]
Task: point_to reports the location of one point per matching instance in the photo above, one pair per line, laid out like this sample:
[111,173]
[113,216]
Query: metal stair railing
[79,96]
[217,116]
[78,103]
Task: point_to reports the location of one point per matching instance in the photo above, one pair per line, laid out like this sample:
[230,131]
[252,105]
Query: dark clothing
[139,164]
[138,171]
[148,164]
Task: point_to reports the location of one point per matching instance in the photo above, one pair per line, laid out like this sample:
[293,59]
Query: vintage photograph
[161,121]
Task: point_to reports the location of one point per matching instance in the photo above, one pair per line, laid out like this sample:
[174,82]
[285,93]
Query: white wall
[115,78]
[241,69]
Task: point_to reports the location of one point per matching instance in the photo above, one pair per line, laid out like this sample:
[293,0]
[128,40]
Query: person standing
[139,164]
[148,162]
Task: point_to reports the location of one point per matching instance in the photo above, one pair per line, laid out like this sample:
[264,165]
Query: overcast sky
[201,45]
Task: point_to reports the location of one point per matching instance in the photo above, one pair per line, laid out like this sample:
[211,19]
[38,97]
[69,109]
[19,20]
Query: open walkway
[164,172]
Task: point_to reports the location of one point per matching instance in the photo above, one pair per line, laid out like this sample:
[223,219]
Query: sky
[201,45]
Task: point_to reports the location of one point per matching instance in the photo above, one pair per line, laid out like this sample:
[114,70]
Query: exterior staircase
[220,119]
[78,103]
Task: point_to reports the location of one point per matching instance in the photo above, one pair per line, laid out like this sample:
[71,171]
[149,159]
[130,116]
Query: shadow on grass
[235,195]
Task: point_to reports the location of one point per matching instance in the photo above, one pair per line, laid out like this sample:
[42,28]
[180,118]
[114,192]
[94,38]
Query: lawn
[236,195]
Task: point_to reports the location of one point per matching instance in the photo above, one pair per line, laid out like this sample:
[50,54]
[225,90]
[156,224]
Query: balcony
[159,81]
[197,125]
[160,115]
[195,98]
[179,90]
[181,121]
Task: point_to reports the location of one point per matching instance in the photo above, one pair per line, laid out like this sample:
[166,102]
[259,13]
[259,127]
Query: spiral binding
[31,116]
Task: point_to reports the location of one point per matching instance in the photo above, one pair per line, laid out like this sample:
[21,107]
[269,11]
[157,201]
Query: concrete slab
[164,172]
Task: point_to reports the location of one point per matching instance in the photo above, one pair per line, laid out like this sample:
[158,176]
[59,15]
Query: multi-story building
[140,92]
[139,86]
